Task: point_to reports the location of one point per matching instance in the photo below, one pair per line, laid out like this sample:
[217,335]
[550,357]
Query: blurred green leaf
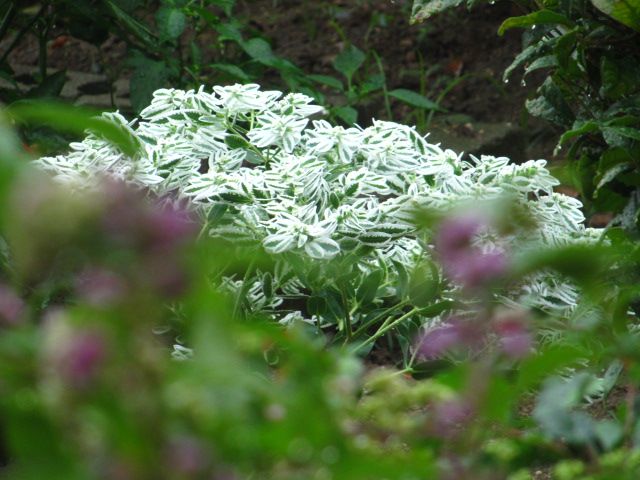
[74,120]
[415,99]
[540,17]
[626,12]
[349,61]
[171,22]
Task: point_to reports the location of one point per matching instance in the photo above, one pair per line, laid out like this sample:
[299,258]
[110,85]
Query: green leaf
[232,70]
[529,54]
[368,289]
[349,61]
[327,80]
[148,76]
[139,30]
[260,50]
[414,99]
[626,12]
[424,284]
[551,104]
[611,174]
[620,136]
[51,87]
[579,128]
[548,61]
[423,9]
[73,120]
[348,115]
[541,17]
[171,22]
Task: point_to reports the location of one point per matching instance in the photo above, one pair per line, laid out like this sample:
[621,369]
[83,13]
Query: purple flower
[475,269]
[515,338]
[100,287]
[11,307]
[169,227]
[437,341]
[82,357]
[450,415]
[187,455]
[455,235]
[463,262]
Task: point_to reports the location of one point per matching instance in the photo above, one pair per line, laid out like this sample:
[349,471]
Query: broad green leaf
[348,115]
[611,174]
[136,28]
[171,22]
[541,17]
[548,61]
[414,99]
[626,12]
[368,289]
[51,87]
[232,70]
[260,50]
[579,128]
[228,31]
[551,104]
[148,76]
[423,9]
[529,55]
[424,284]
[620,136]
[327,80]
[73,120]
[349,61]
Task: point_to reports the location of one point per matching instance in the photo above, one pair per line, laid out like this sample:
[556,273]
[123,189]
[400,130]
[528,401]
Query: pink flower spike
[478,269]
[455,235]
[187,455]
[435,342]
[11,307]
[82,358]
[515,339]
[100,287]
[449,416]
[169,226]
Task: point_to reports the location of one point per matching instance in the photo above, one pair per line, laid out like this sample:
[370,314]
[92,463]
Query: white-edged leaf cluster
[258,169]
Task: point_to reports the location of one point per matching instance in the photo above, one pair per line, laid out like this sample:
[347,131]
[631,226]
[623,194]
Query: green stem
[388,326]
[385,91]
[244,288]
[364,327]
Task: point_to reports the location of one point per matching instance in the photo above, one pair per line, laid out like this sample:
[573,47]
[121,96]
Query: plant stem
[388,326]
[243,289]
[387,104]
[378,317]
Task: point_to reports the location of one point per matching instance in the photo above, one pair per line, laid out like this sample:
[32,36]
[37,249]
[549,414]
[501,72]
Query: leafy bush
[592,91]
[336,208]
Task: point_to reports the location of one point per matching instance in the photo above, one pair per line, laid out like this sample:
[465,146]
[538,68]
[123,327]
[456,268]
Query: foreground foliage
[589,51]
[131,348]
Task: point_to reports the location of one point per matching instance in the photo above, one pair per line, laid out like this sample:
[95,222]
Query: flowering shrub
[336,207]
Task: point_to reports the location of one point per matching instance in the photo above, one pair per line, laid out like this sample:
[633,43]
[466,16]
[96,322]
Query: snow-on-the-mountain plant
[335,206]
